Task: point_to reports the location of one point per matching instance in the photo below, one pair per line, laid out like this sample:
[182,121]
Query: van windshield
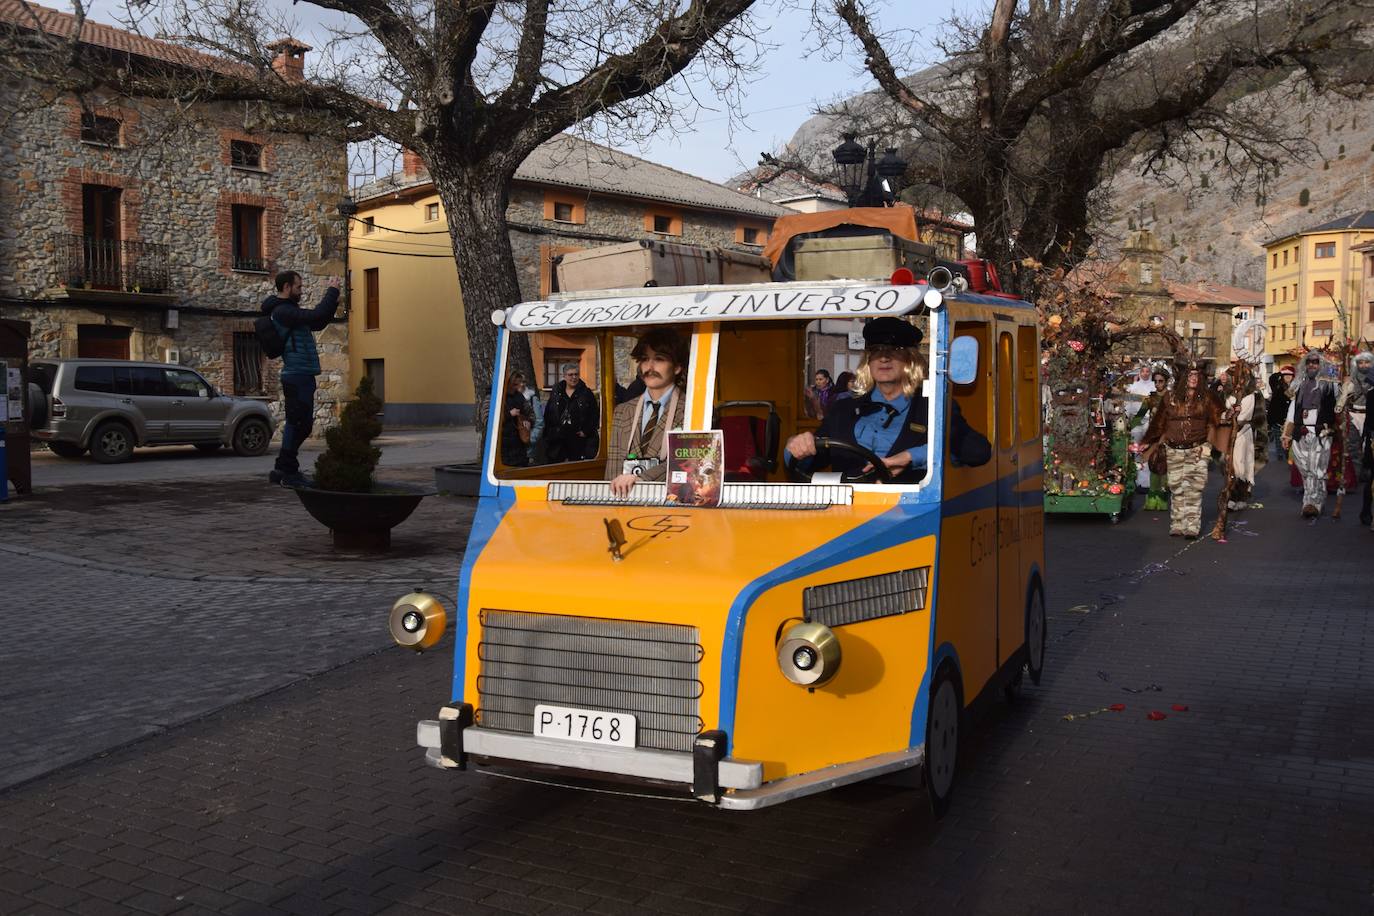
[597,403]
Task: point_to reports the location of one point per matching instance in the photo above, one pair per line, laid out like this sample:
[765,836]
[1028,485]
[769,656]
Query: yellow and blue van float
[810,630]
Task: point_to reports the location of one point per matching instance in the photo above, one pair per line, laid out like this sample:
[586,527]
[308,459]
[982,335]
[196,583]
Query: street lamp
[348,208]
[866,180]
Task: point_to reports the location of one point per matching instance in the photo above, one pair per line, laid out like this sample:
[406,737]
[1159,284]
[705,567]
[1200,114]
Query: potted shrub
[346,497]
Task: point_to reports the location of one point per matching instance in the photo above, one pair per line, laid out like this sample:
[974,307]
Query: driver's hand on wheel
[623,484]
[895,463]
[802,445]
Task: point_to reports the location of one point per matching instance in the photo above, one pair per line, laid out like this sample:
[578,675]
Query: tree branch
[880,66]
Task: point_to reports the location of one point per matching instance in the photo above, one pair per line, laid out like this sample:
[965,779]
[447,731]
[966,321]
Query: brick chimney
[290,59]
[412,166]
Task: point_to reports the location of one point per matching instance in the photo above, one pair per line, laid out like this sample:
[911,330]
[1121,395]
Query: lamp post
[866,180]
[348,208]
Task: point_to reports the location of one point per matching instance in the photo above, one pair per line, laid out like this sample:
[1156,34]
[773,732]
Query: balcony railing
[130,267]
[1201,347]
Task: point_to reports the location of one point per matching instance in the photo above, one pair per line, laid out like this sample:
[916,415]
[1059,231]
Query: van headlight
[417,621]
[809,654]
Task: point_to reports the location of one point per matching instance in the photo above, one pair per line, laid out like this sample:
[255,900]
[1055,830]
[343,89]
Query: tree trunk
[475,203]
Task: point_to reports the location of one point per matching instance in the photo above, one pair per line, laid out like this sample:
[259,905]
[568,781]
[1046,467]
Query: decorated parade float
[1090,465]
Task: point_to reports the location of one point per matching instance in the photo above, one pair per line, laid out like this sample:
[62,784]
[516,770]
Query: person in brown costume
[1184,425]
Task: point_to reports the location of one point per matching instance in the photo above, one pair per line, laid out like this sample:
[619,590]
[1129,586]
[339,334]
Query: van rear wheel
[942,741]
[112,442]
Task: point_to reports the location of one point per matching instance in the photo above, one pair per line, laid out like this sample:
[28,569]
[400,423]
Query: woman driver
[888,414]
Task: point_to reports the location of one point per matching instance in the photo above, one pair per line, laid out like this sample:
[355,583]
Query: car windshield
[585,407]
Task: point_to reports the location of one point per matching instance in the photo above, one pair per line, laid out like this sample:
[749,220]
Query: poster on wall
[14,393]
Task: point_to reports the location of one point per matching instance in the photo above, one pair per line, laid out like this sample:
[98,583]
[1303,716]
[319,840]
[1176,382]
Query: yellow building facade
[1311,277]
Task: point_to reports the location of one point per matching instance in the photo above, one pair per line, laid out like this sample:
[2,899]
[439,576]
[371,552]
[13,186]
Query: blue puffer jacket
[297,326]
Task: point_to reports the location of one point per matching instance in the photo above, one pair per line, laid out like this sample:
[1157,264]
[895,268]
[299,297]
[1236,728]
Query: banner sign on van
[773,300]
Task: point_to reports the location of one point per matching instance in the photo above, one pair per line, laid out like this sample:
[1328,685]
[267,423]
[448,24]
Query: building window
[1325,250]
[248,359]
[1321,329]
[555,361]
[1273,297]
[369,225]
[1285,294]
[244,154]
[750,236]
[562,211]
[248,247]
[99,129]
[1323,289]
[372,301]
[1285,257]
[1371,311]
[1147,274]
[1276,259]
[431,213]
[663,223]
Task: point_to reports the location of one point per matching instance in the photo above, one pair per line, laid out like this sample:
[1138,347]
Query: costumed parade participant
[1354,405]
[1245,406]
[1182,427]
[1157,499]
[1309,430]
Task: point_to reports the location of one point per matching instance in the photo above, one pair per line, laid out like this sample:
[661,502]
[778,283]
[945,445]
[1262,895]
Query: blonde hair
[916,369]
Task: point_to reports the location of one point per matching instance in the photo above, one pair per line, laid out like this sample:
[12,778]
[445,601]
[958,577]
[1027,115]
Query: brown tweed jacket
[625,421]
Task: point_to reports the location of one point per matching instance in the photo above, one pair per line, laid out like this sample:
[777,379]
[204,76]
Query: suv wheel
[112,442]
[66,449]
[252,437]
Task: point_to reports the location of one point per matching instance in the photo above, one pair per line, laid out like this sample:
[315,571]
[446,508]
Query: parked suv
[112,405]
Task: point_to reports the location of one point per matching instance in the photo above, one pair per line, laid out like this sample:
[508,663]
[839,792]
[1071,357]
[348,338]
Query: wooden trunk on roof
[862,257]
[635,264]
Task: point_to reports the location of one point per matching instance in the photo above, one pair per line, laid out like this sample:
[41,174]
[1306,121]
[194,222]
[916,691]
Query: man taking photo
[300,366]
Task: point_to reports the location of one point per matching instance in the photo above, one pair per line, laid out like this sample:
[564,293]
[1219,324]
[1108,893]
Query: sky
[791,84]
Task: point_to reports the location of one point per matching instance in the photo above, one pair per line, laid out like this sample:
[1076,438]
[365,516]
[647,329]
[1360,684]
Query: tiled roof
[787,186]
[1363,220]
[1205,293]
[570,162]
[31,16]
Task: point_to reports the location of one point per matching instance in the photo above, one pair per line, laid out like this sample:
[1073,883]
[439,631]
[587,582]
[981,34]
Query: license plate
[593,726]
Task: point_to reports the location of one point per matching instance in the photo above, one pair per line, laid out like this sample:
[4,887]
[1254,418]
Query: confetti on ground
[1155,715]
[1102,675]
[1082,609]
[1115,707]
[1179,707]
[1146,689]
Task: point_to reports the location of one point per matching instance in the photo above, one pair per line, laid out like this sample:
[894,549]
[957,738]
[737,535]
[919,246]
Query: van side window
[1027,385]
[1006,402]
[95,378]
[975,398]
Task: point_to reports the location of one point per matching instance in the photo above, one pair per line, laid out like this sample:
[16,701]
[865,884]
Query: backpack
[269,336]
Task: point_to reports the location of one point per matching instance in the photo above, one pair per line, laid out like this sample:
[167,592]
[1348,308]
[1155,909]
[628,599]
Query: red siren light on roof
[903,276]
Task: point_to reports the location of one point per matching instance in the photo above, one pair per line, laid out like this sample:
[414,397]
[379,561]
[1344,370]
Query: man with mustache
[640,426]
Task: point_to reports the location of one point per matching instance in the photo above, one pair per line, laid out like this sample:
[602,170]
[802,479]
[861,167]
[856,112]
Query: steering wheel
[879,471]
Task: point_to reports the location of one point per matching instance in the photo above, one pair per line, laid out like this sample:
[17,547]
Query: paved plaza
[194,726]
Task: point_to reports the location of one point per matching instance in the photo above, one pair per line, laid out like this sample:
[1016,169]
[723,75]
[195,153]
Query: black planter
[363,521]
[459,479]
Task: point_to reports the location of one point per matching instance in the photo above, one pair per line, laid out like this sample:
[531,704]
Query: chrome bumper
[741,781]
[641,763]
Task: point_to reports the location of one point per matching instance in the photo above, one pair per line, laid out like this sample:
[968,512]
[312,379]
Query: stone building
[407,332]
[140,231]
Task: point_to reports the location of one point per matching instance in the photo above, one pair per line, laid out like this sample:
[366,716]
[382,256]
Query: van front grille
[648,669]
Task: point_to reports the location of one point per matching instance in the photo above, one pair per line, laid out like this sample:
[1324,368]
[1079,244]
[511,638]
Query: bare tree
[1037,104]
[471,86]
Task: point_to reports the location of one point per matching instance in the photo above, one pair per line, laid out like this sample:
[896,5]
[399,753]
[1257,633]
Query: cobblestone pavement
[1258,798]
